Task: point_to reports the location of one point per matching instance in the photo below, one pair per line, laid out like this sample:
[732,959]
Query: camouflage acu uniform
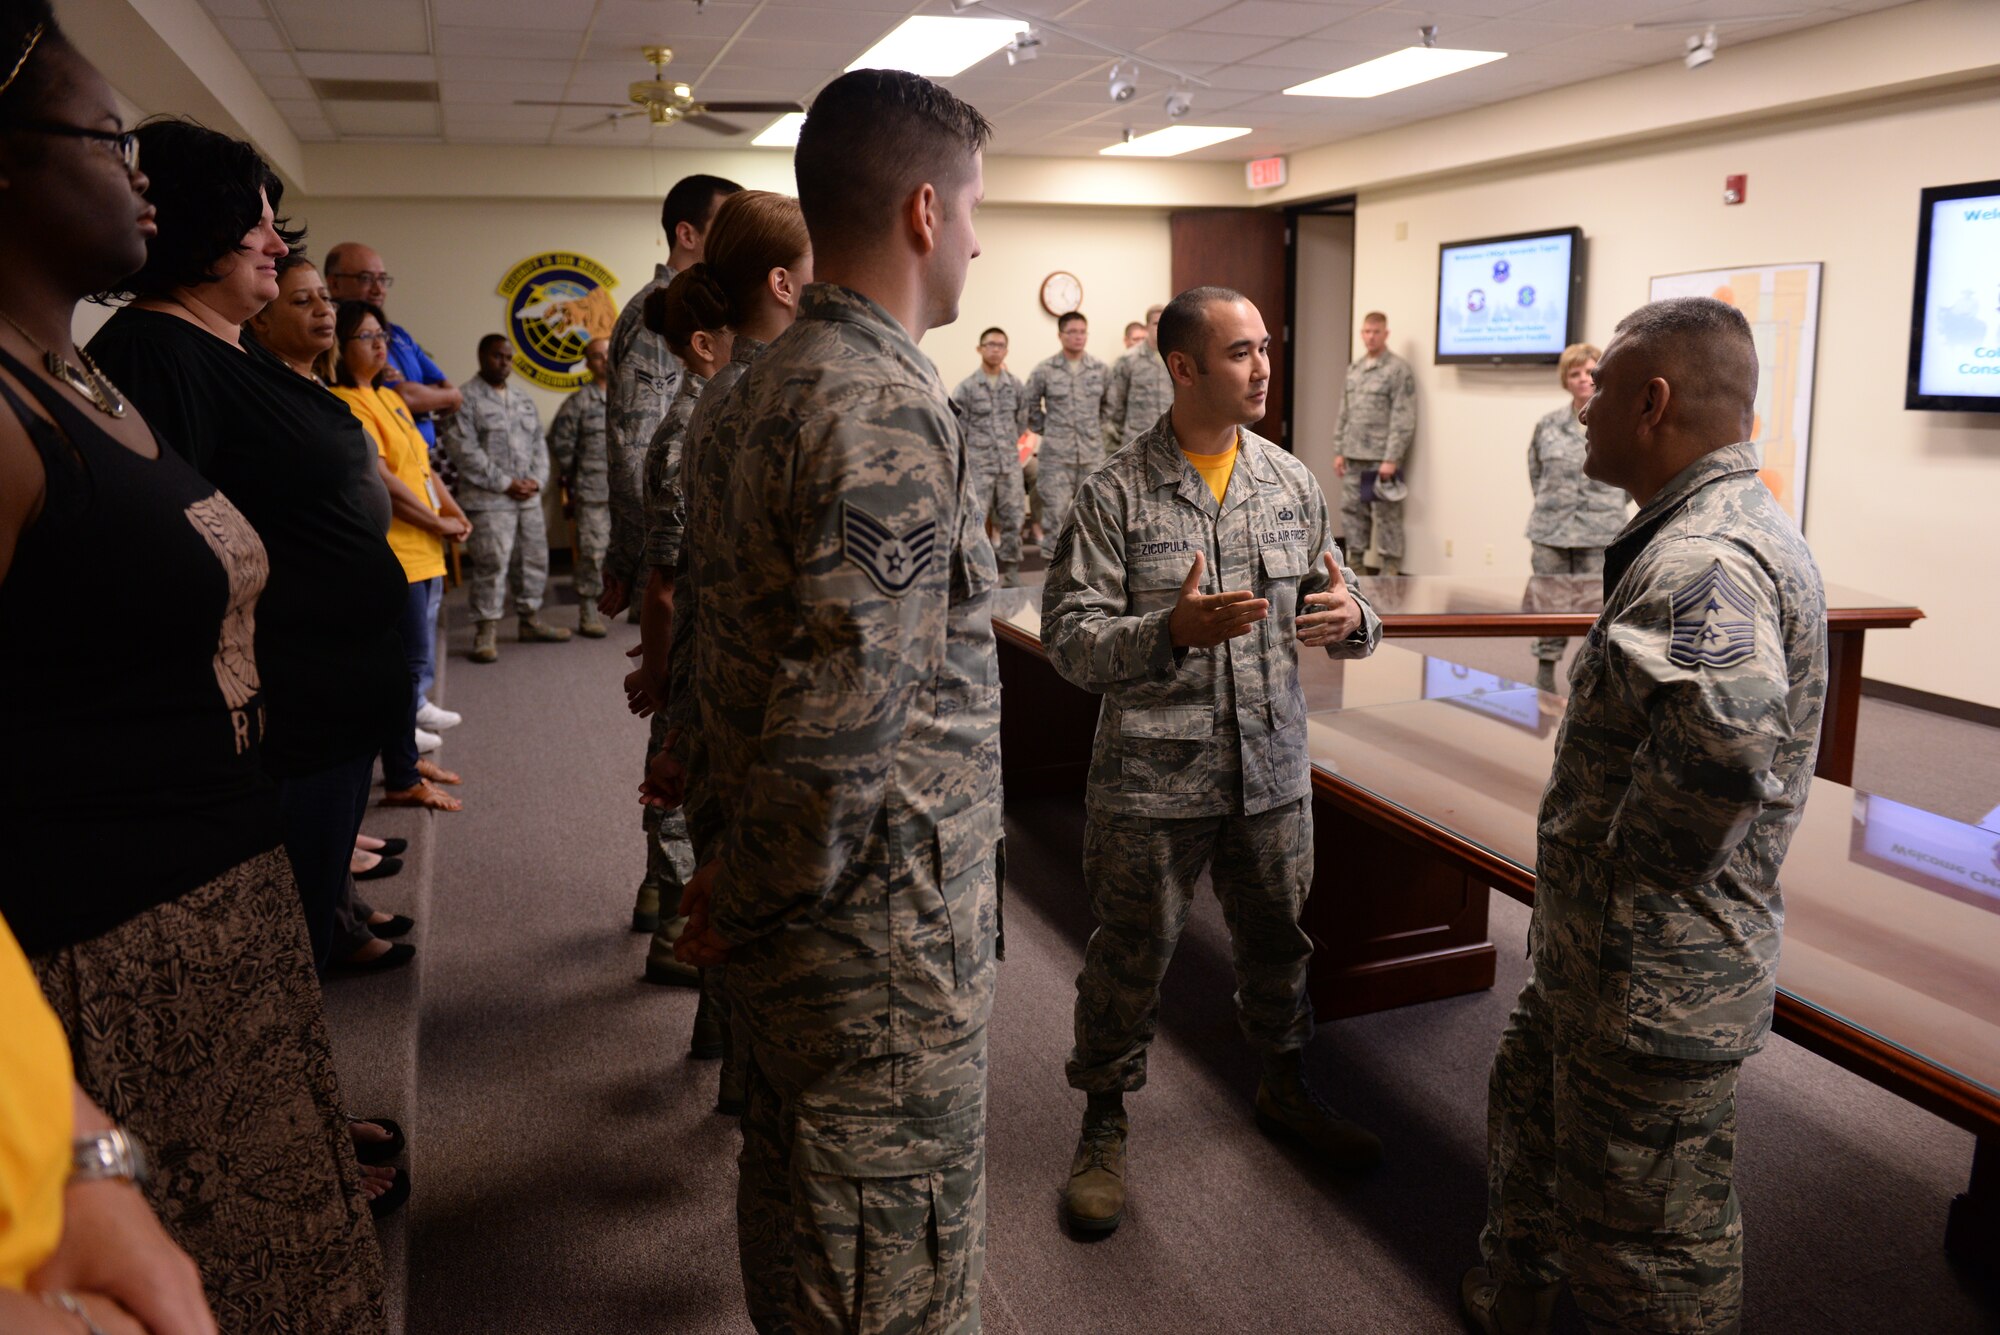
[576,440]
[1378,421]
[1681,771]
[1200,756]
[848,697]
[1065,408]
[1574,518]
[501,440]
[1139,391]
[992,434]
[670,859]
[644,376]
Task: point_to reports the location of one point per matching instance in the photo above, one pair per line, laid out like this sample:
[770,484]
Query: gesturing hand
[1200,620]
[1335,614]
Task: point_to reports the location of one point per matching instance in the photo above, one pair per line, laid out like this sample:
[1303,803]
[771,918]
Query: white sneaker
[427,742]
[436,719]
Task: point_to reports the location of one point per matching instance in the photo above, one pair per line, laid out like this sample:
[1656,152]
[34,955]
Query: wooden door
[1242,249]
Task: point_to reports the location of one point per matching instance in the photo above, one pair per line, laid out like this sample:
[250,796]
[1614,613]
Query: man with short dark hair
[502,463]
[1681,771]
[1139,389]
[1136,330]
[1065,407]
[644,376]
[1378,422]
[990,399]
[577,443]
[848,712]
[1196,564]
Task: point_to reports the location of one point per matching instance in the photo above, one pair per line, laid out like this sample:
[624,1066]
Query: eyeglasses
[367,279]
[1001,346]
[376,337]
[122,142]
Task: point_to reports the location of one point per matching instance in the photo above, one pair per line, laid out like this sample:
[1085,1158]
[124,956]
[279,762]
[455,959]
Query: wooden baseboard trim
[1948,705]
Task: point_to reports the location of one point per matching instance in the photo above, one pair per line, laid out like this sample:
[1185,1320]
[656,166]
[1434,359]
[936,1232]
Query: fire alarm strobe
[1735,189]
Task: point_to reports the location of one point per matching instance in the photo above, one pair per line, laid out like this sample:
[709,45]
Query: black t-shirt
[129,704]
[297,463]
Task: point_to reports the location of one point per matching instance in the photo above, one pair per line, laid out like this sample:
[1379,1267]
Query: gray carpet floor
[570,1176]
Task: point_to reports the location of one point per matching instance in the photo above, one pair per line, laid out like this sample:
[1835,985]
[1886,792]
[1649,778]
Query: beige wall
[1898,503]
[448,257]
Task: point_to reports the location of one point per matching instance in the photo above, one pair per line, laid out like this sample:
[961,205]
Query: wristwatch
[116,1153]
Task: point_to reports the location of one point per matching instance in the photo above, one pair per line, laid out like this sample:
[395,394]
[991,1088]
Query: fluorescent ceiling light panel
[782,132]
[1175,140]
[938,48]
[1398,69]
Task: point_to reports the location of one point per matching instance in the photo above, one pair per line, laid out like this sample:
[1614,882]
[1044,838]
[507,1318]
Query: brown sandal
[436,773]
[423,795]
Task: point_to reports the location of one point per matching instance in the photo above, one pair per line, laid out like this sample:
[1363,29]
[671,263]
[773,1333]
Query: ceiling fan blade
[600,122]
[751,106]
[522,102]
[708,122]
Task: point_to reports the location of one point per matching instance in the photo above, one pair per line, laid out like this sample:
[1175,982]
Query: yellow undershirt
[1216,468]
[35,1120]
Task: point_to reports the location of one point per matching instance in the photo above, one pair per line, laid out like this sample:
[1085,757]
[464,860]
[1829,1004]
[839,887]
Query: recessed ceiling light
[782,132]
[1175,140]
[1399,69]
[938,48]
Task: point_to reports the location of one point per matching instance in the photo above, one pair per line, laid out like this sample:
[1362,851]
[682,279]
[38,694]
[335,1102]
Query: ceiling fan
[665,103]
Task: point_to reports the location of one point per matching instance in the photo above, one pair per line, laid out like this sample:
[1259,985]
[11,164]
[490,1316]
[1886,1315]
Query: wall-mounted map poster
[1781,301]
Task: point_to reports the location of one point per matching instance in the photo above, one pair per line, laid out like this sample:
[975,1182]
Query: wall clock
[1062,293]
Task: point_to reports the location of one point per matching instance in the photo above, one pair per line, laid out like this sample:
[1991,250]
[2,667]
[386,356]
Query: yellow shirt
[1216,468]
[388,422]
[37,1119]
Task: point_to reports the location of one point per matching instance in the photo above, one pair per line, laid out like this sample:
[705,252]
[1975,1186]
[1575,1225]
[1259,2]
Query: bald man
[577,444]
[1681,771]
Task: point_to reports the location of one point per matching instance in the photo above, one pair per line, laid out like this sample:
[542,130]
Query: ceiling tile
[522,43]
[400,120]
[235,9]
[454,92]
[269,62]
[1153,14]
[1209,48]
[1513,36]
[1273,18]
[338,65]
[286,86]
[389,26]
[252,34]
[1310,57]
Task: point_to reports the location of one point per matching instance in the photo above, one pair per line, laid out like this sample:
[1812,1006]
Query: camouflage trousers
[1006,501]
[1141,873]
[1612,1169]
[1373,526]
[1059,472]
[861,1196]
[669,857]
[1562,561]
[507,547]
[593,540]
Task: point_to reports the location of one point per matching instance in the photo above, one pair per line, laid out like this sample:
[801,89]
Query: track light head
[1179,102]
[1024,48]
[1700,50]
[1429,34]
[1124,81]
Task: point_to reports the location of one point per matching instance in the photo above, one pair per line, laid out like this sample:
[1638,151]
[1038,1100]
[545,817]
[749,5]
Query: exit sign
[1265,173]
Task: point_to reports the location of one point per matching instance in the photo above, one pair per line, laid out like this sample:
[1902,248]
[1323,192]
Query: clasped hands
[1203,620]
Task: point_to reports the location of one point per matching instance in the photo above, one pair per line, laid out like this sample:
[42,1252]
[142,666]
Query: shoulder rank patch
[893,561]
[1712,622]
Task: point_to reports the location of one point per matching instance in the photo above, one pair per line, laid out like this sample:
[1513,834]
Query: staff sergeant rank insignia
[892,561]
[1712,625]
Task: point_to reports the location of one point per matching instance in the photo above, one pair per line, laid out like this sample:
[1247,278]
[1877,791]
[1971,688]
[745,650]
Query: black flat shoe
[393,848]
[395,957]
[387,867]
[398,925]
[375,1153]
[394,1198]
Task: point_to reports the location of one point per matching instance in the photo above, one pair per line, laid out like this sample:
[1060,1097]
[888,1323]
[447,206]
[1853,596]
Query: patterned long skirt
[199,1026]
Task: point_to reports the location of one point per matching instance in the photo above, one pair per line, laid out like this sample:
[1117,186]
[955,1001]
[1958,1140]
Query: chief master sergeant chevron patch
[1713,622]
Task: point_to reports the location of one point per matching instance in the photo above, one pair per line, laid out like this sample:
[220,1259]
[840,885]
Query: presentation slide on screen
[1504,298]
[1962,302]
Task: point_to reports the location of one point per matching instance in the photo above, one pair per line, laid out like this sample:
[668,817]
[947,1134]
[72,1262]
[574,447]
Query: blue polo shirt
[409,357]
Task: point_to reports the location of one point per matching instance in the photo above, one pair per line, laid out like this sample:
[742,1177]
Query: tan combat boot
[1545,676]
[1095,1197]
[1506,1309]
[486,642]
[646,909]
[589,624]
[534,629]
[707,1043]
[1288,1108]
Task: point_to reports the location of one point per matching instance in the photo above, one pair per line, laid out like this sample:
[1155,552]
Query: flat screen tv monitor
[1955,324]
[1509,300]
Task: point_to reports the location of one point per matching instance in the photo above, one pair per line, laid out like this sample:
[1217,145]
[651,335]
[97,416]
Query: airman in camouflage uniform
[1681,771]
[1574,518]
[576,441]
[644,376]
[1200,754]
[992,408]
[499,445]
[847,705]
[1139,390]
[1378,422]
[1065,406]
